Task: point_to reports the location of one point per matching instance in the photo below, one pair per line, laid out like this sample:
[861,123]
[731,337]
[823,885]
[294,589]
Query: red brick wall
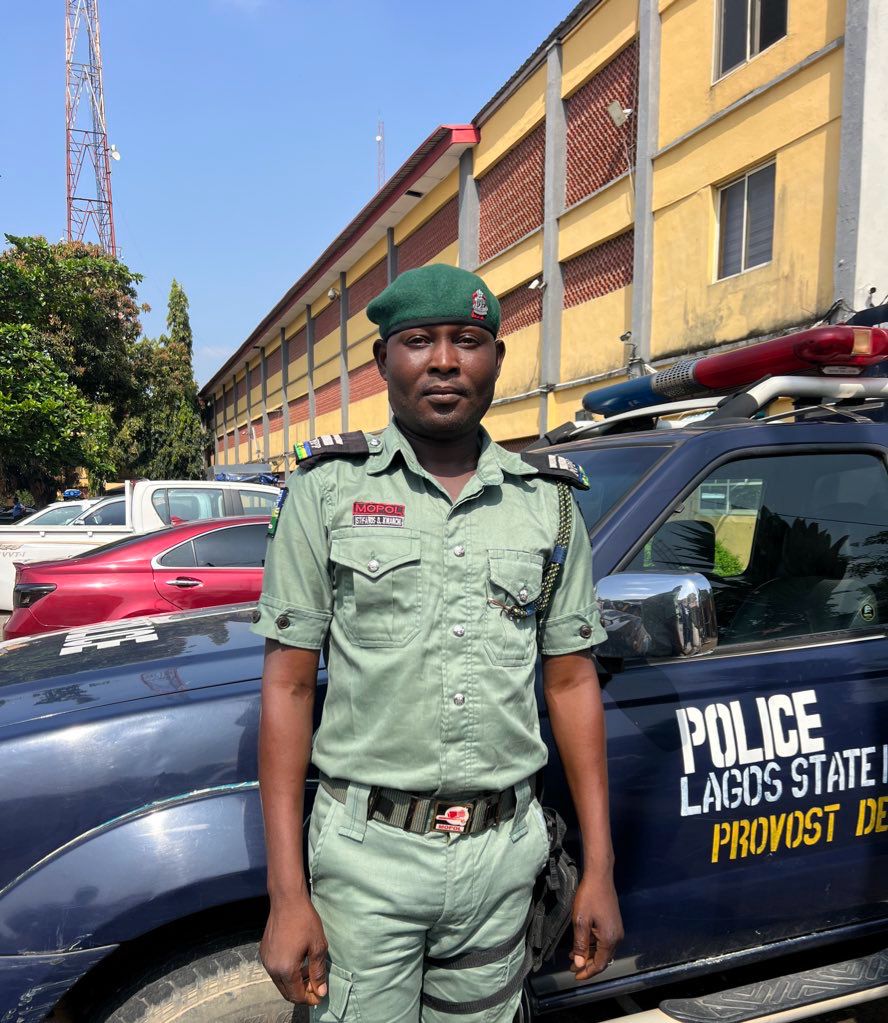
[240,389]
[273,362]
[229,400]
[596,148]
[327,398]
[328,321]
[298,345]
[298,410]
[364,382]
[439,231]
[276,421]
[511,195]
[258,429]
[519,444]
[231,441]
[520,308]
[220,447]
[599,271]
[367,287]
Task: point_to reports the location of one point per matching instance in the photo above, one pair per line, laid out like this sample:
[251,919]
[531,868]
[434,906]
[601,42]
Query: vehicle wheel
[228,985]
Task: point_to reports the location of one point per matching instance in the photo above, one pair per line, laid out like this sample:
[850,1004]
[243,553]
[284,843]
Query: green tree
[81,306]
[47,426]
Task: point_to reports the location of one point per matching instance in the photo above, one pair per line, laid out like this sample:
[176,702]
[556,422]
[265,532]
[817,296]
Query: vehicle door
[748,786]
[221,566]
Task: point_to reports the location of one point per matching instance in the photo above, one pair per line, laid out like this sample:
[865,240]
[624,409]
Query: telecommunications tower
[87,146]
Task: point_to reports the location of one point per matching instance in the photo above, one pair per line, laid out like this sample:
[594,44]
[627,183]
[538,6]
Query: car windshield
[55,516]
[612,473]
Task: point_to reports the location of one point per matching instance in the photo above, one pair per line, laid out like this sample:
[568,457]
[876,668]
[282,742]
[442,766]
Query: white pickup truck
[147,505]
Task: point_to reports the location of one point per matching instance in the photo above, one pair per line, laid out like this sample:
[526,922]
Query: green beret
[435,294]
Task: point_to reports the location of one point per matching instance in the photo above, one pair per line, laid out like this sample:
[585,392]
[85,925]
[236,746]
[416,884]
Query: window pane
[760,216]
[112,514]
[190,504]
[797,546]
[730,259]
[612,473]
[159,500]
[734,30]
[256,503]
[237,547]
[179,557]
[770,24]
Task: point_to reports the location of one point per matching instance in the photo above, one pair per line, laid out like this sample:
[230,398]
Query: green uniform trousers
[389,899]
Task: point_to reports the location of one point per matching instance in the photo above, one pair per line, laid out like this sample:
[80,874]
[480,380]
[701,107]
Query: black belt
[420,814]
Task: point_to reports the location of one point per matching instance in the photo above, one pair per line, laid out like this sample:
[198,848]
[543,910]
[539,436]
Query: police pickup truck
[740,549]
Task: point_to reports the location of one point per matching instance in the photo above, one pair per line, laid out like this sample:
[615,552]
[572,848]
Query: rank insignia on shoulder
[276,514]
[557,467]
[330,445]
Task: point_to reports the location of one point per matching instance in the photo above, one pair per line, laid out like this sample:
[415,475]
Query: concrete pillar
[263,372]
[861,252]
[391,255]
[285,401]
[553,207]
[310,357]
[343,351]
[469,213]
[224,427]
[647,122]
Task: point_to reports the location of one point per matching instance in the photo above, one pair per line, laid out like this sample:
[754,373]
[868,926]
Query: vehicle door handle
[183,584]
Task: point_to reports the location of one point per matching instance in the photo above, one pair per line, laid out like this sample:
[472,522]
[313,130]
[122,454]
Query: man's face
[440,378]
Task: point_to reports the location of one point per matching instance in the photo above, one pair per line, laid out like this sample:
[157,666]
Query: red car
[197,564]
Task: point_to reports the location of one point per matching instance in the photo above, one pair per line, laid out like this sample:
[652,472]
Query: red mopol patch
[454,818]
[377,513]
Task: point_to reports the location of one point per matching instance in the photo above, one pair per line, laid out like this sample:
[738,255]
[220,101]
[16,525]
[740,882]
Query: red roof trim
[416,165]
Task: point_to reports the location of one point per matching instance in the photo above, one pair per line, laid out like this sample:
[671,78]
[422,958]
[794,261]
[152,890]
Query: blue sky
[247,129]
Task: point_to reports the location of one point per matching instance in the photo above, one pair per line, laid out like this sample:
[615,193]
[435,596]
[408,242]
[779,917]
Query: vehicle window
[257,503]
[179,557]
[187,504]
[56,516]
[111,514]
[234,547]
[612,473]
[793,545]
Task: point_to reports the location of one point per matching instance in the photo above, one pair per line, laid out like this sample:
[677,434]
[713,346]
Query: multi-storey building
[682,175]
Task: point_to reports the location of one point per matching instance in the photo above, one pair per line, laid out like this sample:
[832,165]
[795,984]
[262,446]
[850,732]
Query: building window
[746,222]
[746,28]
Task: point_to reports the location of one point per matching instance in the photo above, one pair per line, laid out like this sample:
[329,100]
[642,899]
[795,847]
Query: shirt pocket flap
[519,573]
[339,985]
[374,555]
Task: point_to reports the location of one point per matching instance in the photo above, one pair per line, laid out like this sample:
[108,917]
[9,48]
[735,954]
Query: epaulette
[330,445]
[557,467]
[276,513]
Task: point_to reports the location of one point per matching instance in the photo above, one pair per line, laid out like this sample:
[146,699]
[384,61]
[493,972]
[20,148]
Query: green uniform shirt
[430,688]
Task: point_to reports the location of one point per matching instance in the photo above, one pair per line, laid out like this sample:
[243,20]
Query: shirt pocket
[378,594]
[514,580]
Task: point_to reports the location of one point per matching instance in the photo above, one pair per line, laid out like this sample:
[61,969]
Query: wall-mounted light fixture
[332,294]
[537,284]
[618,113]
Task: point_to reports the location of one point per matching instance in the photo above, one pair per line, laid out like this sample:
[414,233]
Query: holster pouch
[553,894]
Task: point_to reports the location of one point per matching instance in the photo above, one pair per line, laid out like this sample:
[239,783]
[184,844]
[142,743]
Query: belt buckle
[453,817]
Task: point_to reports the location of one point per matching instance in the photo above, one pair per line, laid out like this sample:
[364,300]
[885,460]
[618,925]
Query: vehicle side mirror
[656,614]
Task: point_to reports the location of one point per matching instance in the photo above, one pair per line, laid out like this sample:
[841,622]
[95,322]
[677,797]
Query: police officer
[415,559]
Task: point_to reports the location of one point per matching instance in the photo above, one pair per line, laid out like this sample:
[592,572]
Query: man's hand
[597,926]
[292,936]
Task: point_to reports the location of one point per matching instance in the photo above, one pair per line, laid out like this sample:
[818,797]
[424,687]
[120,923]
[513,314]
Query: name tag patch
[377,513]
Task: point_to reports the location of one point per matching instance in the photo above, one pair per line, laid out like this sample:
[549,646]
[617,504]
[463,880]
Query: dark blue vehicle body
[130,798]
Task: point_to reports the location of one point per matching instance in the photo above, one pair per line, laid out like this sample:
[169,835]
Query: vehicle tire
[228,985]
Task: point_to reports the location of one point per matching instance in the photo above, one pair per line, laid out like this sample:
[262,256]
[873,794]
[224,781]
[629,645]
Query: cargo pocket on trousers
[340,1003]
[378,585]
[515,581]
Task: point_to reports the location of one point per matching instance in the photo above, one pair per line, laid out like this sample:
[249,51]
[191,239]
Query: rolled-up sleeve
[296,604]
[572,623]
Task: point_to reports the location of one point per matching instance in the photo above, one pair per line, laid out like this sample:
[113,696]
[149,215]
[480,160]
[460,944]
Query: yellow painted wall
[362,352]
[296,324]
[449,255]
[521,366]
[516,419]
[688,95]
[359,327]
[521,263]
[521,112]
[608,29]
[692,310]
[590,335]
[606,214]
[326,372]
[329,422]
[371,257]
[326,348]
[369,413]
[430,203]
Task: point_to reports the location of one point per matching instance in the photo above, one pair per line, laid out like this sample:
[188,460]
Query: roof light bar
[833,350]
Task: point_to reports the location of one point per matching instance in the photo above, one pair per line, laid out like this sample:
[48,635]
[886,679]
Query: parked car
[197,564]
[59,513]
[6,518]
[741,567]
[145,505]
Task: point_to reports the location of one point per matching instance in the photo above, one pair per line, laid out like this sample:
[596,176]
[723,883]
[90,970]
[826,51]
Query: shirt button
[523,595]
[585,631]
[373,565]
[459,630]
[374,442]
[459,551]
[459,699]
[256,615]
[282,622]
